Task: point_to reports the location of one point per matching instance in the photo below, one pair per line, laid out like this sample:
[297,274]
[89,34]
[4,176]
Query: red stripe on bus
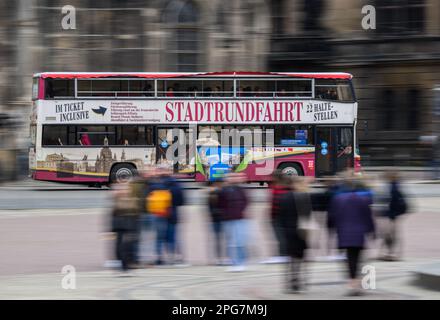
[53,176]
[177,75]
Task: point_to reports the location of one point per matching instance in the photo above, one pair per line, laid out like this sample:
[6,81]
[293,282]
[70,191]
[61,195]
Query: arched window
[183,49]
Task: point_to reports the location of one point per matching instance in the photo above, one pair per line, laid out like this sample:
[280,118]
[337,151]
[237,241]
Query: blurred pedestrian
[177,200]
[215,210]
[158,204]
[295,212]
[147,227]
[125,224]
[279,187]
[335,186]
[233,200]
[351,216]
[395,208]
[136,186]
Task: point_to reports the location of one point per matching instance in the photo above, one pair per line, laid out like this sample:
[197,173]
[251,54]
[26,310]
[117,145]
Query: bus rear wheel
[123,172]
[291,169]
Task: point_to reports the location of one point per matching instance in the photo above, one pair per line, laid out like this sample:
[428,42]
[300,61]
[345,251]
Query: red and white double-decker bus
[105,127]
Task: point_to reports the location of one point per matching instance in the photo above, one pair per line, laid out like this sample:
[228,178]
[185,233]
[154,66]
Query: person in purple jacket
[351,216]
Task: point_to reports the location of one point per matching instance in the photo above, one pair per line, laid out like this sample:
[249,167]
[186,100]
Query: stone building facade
[395,66]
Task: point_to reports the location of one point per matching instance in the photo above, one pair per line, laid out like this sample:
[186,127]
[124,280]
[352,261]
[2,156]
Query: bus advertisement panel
[203,111]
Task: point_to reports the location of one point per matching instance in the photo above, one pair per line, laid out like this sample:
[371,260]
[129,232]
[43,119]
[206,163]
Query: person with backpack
[396,207]
[158,203]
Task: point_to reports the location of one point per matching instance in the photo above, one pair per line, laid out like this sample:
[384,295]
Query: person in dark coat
[279,187]
[295,207]
[334,187]
[215,210]
[351,216]
[176,190]
[396,207]
[233,201]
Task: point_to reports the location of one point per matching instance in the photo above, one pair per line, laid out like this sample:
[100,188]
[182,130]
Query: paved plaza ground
[36,243]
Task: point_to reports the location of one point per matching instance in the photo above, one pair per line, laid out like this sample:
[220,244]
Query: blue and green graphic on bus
[215,161]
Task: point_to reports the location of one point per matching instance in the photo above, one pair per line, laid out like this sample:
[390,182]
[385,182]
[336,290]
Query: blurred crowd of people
[351,210]
[150,204]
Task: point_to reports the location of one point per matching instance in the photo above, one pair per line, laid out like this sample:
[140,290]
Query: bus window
[218,88]
[149,135]
[54,135]
[331,89]
[59,88]
[255,88]
[137,88]
[134,135]
[344,148]
[248,135]
[35,88]
[179,88]
[195,88]
[289,135]
[115,88]
[102,88]
[209,135]
[109,88]
[71,138]
[96,135]
[84,88]
[294,88]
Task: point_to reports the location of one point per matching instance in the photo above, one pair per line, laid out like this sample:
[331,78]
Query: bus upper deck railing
[193,94]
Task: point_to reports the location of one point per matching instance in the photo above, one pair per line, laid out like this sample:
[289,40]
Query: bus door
[172,149]
[334,150]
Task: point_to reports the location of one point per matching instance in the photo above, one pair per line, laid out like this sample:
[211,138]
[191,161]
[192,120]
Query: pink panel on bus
[53,176]
[306,161]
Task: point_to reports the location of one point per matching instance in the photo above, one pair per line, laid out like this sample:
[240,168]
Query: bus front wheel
[122,172]
[291,169]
